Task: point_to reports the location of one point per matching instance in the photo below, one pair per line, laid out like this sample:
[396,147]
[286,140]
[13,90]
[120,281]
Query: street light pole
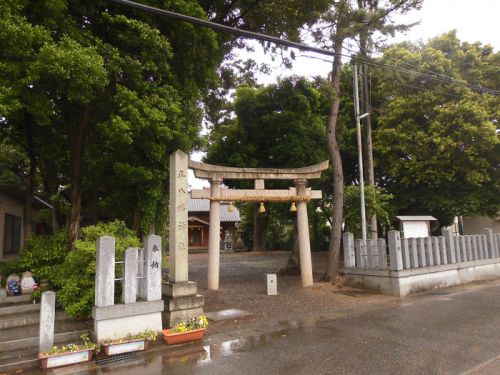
[360,149]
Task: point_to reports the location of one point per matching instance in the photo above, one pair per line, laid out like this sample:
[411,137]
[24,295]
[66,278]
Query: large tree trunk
[77,152]
[335,159]
[259,237]
[30,179]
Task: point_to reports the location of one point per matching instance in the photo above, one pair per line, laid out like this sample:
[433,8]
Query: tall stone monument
[182,302]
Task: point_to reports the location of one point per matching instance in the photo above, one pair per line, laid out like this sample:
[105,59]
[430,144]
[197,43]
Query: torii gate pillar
[303,232]
[214,237]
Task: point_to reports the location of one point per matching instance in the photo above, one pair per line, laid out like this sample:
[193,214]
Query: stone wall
[411,265]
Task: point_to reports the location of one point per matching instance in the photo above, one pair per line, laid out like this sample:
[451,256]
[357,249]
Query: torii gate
[300,195]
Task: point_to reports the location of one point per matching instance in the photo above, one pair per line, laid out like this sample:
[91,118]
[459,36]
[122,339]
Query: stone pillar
[450,246]
[181,300]
[490,242]
[47,316]
[178,218]
[152,254]
[105,272]
[303,231]
[396,257]
[129,291]
[214,236]
[382,253]
[349,255]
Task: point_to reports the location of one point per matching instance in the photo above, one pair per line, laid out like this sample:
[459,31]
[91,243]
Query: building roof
[416,218]
[203,205]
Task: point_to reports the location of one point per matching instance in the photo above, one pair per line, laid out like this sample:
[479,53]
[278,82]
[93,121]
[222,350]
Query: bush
[75,278]
[43,254]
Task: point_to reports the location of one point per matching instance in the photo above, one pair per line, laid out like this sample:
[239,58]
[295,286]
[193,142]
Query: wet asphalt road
[453,331]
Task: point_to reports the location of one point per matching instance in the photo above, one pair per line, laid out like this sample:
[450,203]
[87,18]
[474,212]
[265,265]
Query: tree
[342,21]
[104,86]
[276,126]
[435,140]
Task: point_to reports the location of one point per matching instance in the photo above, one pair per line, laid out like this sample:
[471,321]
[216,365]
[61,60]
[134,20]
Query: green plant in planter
[75,277]
[87,345]
[194,323]
[149,335]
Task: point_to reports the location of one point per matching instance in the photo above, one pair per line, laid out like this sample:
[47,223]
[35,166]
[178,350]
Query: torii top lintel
[213,172]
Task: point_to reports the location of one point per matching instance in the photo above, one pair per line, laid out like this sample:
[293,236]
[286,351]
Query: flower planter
[182,337]
[125,346]
[66,358]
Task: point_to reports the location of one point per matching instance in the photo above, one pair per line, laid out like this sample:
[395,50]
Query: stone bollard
[47,317]
[272,284]
[395,255]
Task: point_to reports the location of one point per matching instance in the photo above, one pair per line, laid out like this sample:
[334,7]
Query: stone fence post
[395,255]
[105,272]
[490,243]
[450,246]
[47,317]
[349,254]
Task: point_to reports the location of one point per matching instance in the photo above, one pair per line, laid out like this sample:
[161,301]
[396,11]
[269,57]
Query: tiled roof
[203,205]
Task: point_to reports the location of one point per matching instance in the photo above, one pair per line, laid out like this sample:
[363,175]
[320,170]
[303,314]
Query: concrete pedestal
[182,302]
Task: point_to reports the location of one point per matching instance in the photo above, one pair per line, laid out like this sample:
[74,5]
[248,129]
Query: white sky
[474,20]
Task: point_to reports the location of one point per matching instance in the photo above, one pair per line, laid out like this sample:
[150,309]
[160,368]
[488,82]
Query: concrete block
[173,290]
[105,272]
[184,303]
[47,318]
[129,310]
[272,284]
[111,329]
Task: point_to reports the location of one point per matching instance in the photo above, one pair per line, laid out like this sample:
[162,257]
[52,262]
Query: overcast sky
[474,20]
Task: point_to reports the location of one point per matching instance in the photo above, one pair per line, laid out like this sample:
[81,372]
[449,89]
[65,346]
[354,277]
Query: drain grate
[117,359]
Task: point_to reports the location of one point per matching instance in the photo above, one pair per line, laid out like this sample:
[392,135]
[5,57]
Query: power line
[303,47]
[224,28]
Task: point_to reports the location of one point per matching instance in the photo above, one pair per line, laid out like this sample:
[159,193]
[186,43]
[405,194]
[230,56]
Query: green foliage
[75,278]
[43,254]
[87,345]
[377,202]
[435,141]
[8,268]
[277,126]
[148,334]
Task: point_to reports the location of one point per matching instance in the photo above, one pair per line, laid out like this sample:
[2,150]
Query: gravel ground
[243,286]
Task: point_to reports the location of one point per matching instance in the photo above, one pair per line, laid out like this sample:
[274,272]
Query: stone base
[117,321]
[171,318]
[182,302]
[112,329]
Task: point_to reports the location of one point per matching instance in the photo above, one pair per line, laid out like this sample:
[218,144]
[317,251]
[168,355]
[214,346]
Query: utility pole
[360,147]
